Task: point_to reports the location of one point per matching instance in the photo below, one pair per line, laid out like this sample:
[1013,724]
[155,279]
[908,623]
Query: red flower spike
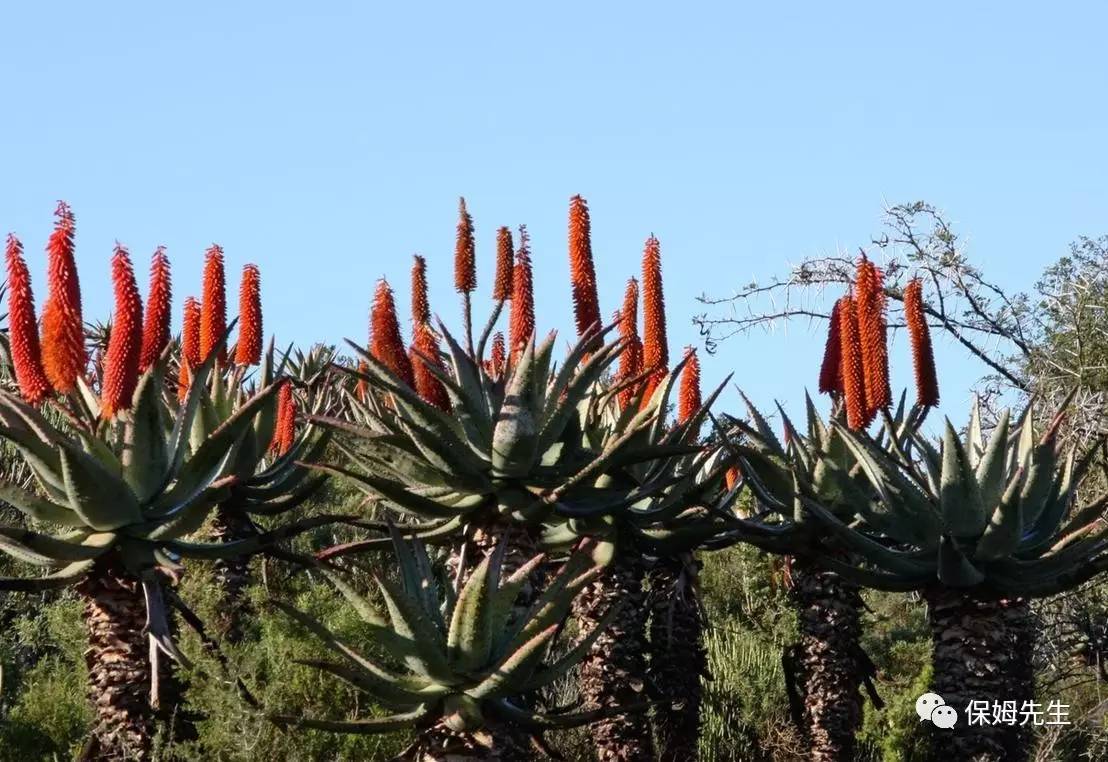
[213,308]
[505,258]
[63,330]
[655,348]
[190,345]
[854,383]
[521,321]
[689,399]
[830,372]
[870,301]
[155,327]
[465,253]
[582,274]
[284,432]
[421,307]
[923,357]
[385,342]
[630,361]
[121,363]
[732,477]
[496,361]
[26,352]
[427,385]
[249,348]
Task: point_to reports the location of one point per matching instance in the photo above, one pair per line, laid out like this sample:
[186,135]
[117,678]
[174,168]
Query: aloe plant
[458,666]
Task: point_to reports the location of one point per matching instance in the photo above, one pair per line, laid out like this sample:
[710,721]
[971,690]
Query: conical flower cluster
[425,347]
[284,432]
[586,305]
[23,328]
[688,399]
[249,348]
[630,362]
[521,322]
[505,262]
[655,347]
[421,307]
[870,301]
[853,373]
[496,360]
[121,363]
[385,342]
[213,308]
[190,345]
[830,372]
[923,357]
[63,329]
[159,303]
[465,252]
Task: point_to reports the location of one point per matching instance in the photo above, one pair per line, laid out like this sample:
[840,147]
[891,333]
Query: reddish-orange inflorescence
[465,252]
[155,327]
[505,261]
[425,348]
[26,352]
[249,348]
[870,304]
[655,346]
[854,380]
[582,273]
[521,321]
[385,341]
[284,432]
[923,357]
[732,477]
[190,345]
[121,363]
[213,308]
[63,330]
[421,307]
[630,362]
[830,372]
[496,357]
[689,400]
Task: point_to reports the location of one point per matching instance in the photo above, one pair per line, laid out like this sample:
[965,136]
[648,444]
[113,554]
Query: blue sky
[329,141]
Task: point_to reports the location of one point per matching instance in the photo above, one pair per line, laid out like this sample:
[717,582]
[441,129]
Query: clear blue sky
[329,141]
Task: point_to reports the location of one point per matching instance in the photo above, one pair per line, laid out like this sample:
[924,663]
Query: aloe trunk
[440,744]
[118,664]
[232,575]
[678,660]
[613,674]
[827,659]
[981,651]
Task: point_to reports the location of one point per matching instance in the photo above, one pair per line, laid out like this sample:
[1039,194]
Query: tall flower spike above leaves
[155,328]
[425,348]
[190,345]
[854,381]
[582,273]
[63,329]
[505,261]
[831,372]
[23,328]
[249,348]
[689,399]
[284,432]
[630,362]
[655,347]
[421,307]
[385,342]
[923,357]
[121,364]
[465,252]
[213,308]
[870,303]
[496,356]
[521,321]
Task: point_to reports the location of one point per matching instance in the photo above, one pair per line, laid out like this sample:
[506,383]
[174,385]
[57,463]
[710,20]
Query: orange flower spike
[249,349]
[427,385]
[521,321]
[689,400]
[63,330]
[465,252]
[121,363]
[582,274]
[732,477]
[496,360]
[830,372]
[284,431]
[630,361]
[385,342]
[155,328]
[213,308]
[870,302]
[421,307]
[26,352]
[854,384]
[190,345]
[655,348]
[505,258]
[923,357]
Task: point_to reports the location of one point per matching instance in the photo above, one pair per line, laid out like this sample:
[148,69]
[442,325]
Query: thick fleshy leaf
[959,497]
[955,569]
[100,499]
